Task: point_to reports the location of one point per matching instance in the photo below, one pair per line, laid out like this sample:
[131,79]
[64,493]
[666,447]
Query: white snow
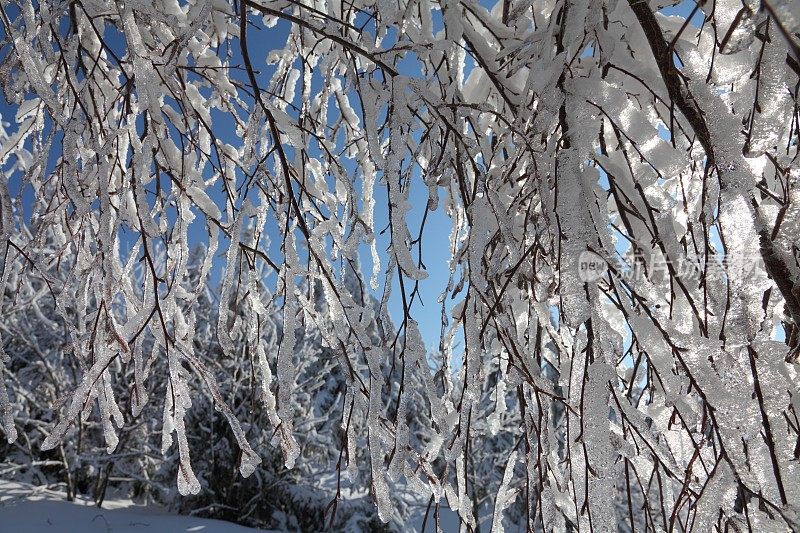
[30,509]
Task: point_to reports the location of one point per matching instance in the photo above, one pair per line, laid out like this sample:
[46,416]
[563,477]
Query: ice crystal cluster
[291,138]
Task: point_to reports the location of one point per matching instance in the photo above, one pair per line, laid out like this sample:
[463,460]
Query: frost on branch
[223,221]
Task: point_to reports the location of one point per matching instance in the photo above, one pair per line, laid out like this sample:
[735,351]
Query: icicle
[5,407]
[717,494]
[499,395]
[266,384]
[379,485]
[401,427]
[6,230]
[109,411]
[78,399]
[224,334]
[249,458]
[398,198]
[505,494]
[285,370]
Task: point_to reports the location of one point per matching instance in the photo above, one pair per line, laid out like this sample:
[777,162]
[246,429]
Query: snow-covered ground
[30,509]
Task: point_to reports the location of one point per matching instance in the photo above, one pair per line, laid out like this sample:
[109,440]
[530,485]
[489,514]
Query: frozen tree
[273,497]
[622,186]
